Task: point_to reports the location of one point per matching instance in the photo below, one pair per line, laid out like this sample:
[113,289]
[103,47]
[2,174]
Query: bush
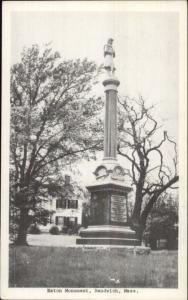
[76,229]
[70,231]
[54,230]
[34,229]
[64,229]
[73,230]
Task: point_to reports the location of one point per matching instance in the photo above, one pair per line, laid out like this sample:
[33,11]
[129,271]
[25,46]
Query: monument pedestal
[109,220]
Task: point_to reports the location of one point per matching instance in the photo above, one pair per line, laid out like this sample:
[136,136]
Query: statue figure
[109,54]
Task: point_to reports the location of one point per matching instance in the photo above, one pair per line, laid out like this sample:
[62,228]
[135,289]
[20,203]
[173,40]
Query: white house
[66,210]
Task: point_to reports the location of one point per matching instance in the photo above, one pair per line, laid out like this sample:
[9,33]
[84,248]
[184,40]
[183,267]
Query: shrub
[54,230]
[64,229]
[34,229]
[76,229]
[70,231]
[73,230]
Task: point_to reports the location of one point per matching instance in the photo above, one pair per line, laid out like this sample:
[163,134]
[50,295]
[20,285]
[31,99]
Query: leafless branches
[137,133]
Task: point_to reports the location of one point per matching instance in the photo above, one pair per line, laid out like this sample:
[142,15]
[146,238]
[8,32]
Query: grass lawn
[73,267]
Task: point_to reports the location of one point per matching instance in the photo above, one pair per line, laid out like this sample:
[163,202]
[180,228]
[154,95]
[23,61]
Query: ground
[51,240]
[63,266]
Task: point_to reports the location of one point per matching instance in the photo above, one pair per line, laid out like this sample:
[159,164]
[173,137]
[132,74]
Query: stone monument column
[110,130]
[109,220]
[110,85]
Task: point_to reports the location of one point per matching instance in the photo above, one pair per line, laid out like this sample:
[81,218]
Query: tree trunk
[148,209]
[135,219]
[139,219]
[23,226]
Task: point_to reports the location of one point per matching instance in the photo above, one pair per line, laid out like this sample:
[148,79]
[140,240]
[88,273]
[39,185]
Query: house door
[70,221]
[66,221]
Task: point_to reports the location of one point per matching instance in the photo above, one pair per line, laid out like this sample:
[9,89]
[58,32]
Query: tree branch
[130,159]
[66,154]
[154,198]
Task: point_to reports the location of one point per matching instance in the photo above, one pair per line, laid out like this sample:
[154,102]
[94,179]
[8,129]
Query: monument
[109,223]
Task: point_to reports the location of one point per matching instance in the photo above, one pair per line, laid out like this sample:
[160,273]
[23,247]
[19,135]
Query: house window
[60,203]
[73,204]
[59,221]
[68,222]
[72,221]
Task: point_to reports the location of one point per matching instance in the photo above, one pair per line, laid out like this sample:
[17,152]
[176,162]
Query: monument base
[108,235]
[107,241]
[109,220]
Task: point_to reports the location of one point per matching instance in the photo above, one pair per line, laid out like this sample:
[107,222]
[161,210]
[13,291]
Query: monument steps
[108,231]
[107,234]
[107,241]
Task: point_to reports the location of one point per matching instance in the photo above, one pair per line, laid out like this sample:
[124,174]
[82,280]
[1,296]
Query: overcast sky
[146,46]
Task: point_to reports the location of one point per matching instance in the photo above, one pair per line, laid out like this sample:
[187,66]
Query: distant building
[66,210]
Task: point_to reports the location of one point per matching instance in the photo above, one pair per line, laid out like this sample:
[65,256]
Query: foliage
[13,231]
[73,230]
[53,124]
[64,229]
[34,229]
[41,215]
[54,230]
[161,220]
[141,144]
[163,216]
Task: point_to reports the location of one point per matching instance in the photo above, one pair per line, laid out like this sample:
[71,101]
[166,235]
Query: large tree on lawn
[144,146]
[53,124]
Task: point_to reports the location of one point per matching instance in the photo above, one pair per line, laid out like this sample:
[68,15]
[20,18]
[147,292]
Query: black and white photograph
[94,141]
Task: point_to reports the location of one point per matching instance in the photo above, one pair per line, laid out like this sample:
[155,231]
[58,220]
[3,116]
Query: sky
[146,46]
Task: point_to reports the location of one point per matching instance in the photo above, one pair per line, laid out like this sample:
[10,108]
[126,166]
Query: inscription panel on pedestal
[99,209]
[118,208]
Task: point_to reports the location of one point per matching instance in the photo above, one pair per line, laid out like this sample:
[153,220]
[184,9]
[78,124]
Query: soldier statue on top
[109,54]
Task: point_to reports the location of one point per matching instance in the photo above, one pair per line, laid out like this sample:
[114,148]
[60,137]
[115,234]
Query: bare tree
[141,144]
